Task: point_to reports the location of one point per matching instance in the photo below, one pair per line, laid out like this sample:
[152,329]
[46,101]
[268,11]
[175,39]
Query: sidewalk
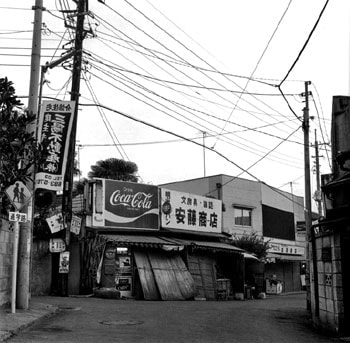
[12,323]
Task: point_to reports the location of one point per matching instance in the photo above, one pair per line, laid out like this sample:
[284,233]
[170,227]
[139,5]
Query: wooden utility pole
[310,241]
[82,9]
[26,229]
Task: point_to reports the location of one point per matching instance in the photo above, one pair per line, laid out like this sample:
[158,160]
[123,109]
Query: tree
[115,169]
[18,148]
[252,243]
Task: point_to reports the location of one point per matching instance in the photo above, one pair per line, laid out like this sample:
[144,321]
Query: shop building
[250,206]
[155,243]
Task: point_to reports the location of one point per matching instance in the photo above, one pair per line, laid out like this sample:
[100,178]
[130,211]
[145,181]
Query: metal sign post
[14,267]
[19,196]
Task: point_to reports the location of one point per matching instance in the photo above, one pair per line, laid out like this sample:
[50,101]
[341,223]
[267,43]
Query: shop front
[158,245]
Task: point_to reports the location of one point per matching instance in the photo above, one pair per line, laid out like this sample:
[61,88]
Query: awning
[141,241]
[250,256]
[286,257]
[205,245]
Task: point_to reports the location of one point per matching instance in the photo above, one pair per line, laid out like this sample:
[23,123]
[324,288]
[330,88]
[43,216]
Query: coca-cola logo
[140,200]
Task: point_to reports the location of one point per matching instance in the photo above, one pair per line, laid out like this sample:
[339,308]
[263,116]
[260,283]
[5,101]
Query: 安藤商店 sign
[55,127]
[181,210]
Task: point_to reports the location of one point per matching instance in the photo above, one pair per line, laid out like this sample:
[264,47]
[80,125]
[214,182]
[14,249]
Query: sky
[172,76]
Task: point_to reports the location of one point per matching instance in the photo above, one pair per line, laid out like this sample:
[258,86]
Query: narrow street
[275,319]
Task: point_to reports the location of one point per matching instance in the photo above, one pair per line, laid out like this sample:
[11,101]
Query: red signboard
[129,205]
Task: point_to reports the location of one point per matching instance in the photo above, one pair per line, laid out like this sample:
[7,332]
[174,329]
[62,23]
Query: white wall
[245,193]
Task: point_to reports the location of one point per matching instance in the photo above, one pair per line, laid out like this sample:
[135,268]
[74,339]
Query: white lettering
[137,200]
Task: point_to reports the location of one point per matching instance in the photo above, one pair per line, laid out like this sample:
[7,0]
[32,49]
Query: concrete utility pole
[308,210]
[318,183]
[82,10]
[26,229]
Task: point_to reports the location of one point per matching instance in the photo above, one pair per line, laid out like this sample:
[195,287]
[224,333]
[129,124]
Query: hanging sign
[19,194]
[75,225]
[64,263]
[55,222]
[55,127]
[57,245]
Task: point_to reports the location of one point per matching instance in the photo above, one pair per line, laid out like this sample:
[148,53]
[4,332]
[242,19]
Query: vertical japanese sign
[55,127]
[181,210]
[63,267]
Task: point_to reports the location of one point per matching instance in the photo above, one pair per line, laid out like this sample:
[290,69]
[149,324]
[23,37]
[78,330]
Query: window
[243,216]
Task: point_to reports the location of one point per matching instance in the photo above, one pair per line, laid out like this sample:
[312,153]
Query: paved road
[275,319]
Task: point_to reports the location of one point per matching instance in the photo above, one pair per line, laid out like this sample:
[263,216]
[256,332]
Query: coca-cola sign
[130,205]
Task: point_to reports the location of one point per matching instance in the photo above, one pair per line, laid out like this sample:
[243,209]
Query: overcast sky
[180,67]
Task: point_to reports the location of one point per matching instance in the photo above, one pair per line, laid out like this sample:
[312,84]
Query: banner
[55,126]
[181,210]
[128,205]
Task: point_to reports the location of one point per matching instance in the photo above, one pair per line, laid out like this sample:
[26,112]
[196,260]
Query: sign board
[18,217]
[55,222]
[181,210]
[57,245]
[64,263]
[19,194]
[55,125]
[75,225]
[286,249]
[126,205]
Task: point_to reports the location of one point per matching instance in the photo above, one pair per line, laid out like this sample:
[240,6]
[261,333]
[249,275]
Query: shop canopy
[167,243]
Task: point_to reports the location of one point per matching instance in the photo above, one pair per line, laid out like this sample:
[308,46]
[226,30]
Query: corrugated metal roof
[139,240]
[209,245]
[217,246]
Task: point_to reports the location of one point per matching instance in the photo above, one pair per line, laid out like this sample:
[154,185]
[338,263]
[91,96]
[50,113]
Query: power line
[305,44]
[244,146]
[186,139]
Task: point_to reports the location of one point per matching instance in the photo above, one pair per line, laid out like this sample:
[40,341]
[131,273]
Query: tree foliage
[253,243]
[115,169]
[18,148]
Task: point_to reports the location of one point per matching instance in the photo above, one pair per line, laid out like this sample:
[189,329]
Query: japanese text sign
[17,217]
[75,225]
[57,245]
[186,211]
[55,127]
[64,263]
[55,222]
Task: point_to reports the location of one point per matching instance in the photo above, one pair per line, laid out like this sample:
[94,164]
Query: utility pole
[204,133]
[26,229]
[310,253]
[82,9]
[318,183]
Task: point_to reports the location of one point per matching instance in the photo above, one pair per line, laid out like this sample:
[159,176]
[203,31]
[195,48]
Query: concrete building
[251,206]
[331,235]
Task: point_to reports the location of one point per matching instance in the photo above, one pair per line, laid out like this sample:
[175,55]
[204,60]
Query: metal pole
[204,152]
[318,185]
[26,234]
[14,266]
[308,209]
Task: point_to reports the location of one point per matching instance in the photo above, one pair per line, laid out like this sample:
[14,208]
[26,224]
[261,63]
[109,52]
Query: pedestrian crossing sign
[19,194]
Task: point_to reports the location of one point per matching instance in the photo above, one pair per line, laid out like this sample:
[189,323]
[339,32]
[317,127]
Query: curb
[24,319]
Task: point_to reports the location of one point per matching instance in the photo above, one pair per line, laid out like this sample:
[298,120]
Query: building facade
[250,206]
